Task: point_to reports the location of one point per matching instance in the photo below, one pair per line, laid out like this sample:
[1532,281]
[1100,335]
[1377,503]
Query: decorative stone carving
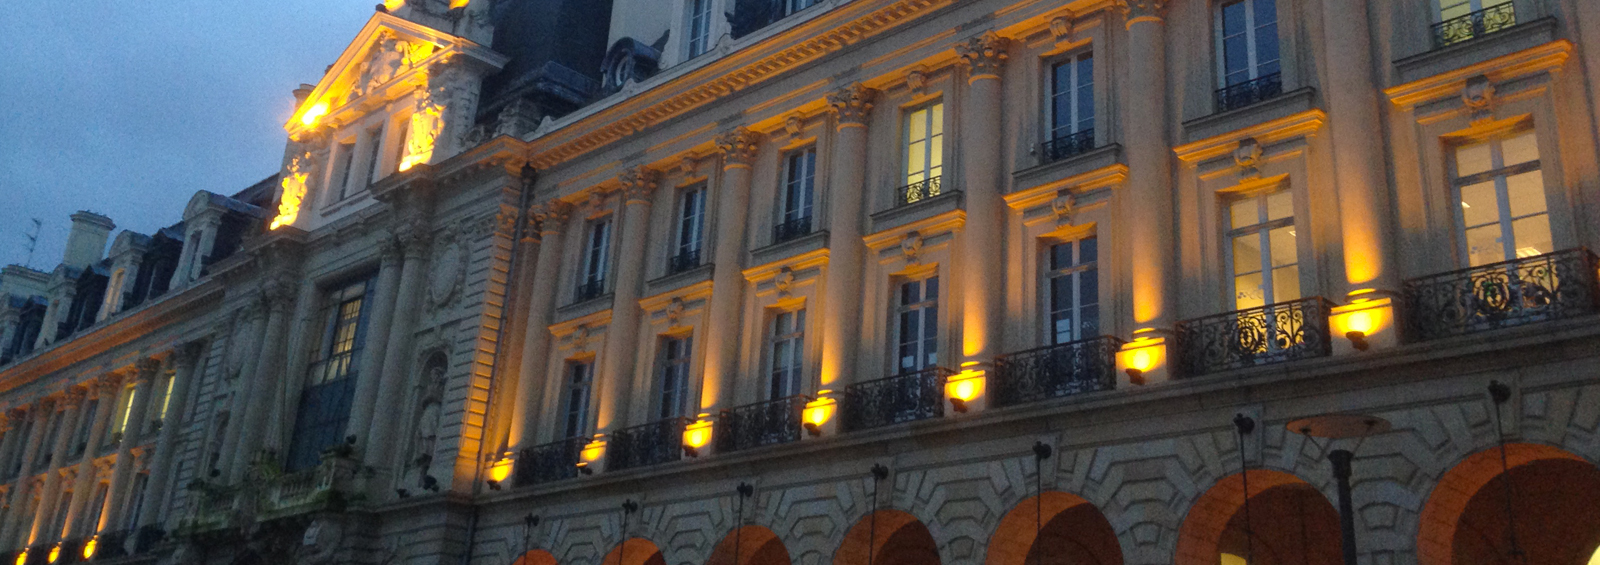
[550,217]
[985,55]
[675,311]
[911,247]
[1479,98]
[637,183]
[430,398]
[917,79]
[851,104]
[1136,10]
[738,147]
[320,541]
[784,281]
[505,221]
[294,187]
[146,369]
[448,274]
[518,118]
[1063,206]
[687,165]
[1061,27]
[794,124]
[582,337]
[1248,157]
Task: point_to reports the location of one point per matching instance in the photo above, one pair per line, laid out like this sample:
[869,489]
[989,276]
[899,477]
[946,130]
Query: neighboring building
[738,282]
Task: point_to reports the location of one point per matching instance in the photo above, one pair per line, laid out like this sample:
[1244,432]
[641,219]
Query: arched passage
[1055,528]
[535,557]
[635,551]
[1289,522]
[750,545]
[1555,498]
[888,537]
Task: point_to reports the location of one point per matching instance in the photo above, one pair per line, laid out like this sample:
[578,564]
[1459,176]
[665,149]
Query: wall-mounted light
[818,412]
[1367,318]
[965,387]
[55,553]
[89,547]
[315,112]
[592,451]
[22,558]
[499,471]
[1144,358]
[697,435]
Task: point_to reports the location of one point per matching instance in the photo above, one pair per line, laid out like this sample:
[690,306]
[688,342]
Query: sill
[679,279]
[779,251]
[361,196]
[1219,123]
[585,308]
[897,216]
[1045,173]
[1477,50]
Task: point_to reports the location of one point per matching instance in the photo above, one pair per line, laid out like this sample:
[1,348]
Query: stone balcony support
[50,492]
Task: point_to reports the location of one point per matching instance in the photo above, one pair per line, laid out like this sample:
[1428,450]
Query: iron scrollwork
[1068,145]
[901,398]
[1235,96]
[1274,333]
[919,191]
[552,461]
[1065,369]
[765,423]
[1509,293]
[1474,25]
[654,443]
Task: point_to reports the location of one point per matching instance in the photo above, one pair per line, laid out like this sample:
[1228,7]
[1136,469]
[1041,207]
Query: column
[982,250]
[622,334]
[552,218]
[122,470]
[723,317]
[254,318]
[8,328]
[186,358]
[377,340]
[40,414]
[1354,122]
[13,422]
[392,388]
[1147,205]
[291,368]
[841,301]
[83,488]
[50,493]
[263,379]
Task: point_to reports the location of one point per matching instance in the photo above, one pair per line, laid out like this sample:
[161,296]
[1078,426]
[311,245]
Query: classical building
[752,282]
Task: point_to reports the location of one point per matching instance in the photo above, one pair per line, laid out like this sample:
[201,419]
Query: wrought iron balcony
[1087,365]
[589,290]
[901,398]
[919,191]
[1274,333]
[1498,295]
[1068,145]
[765,423]
[791,229]
[554,461]
[683,261]
[1235,96]
[654,443]
[1474,25]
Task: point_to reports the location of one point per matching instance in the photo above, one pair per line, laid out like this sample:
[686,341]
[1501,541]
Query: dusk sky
[128,108]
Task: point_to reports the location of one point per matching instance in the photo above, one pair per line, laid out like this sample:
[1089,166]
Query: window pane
[918,126]
[1280,205]
[1089,287]
[1246,253]
[1483,245]
[1243,213]
[1266,48]
[1233,18]
[1479,205]
[937,117]
[1526,192]
[1533,235]
[910,293]
[916,159]
[1520,149]
[1248,292]
[931,289]
[1088,250]
[1472,159]
[1236,58]
[1061,293]
[1286,283]
[1284,251]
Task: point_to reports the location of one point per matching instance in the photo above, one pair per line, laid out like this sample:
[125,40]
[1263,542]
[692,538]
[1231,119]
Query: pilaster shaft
[1358,162]
[370,369]
[622,335]
[392,380]
[723,319]
[1148,203]
[116,506]
[841,303]
[982,249]
[186,359]
[256,322]
[552,218]
[83,488]
[268,366]
[50,493]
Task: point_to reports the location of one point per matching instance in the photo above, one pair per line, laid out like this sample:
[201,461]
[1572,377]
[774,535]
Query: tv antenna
[33,240]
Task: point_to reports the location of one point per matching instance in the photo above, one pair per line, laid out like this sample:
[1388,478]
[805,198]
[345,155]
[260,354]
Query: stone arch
[635,551]
[1556,502]
[750,545]
[888,537]
[535,557]
[1054,528]
[1290,522]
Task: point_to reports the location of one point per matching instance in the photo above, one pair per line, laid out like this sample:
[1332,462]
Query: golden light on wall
[89,547]
[1366,319]
[22,558]
[697,435]
[1144,359]
[819,411]
[425,126]
[965,387]
[294,191]
[55,553]
[500,470]
[309,117]
[592,451]
[459,3]
[392,5]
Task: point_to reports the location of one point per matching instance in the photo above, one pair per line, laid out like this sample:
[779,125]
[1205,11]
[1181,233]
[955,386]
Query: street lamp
[1336,427]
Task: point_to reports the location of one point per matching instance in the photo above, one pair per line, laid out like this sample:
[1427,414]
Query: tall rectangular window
[799,183]
[119,420]
[324,409]
[699,27]
[1074,290]
[917,339]
[345,156]
[1503,213]
[789,7]
[1263,250]
[80,439]
[374,154]
[575,413]
[924,146]
[596,259]
[787,353]
[691,229]
[1072,96]
[674,379]
[1247,37]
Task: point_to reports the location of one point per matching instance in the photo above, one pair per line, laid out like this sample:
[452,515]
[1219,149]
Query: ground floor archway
[535,557]
[1288,522]
[888,537]
[1552,496]
[635,551]
[750,545]
[1055,528]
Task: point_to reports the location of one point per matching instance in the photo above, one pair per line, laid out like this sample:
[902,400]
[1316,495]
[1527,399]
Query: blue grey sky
[128,108]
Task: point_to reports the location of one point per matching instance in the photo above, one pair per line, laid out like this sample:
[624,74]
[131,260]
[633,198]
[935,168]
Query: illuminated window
[917,333]
[699,27]
[374,154]
[799,181]
[1595,559]
[674,375]
[124,411]
[1247,40]
[580,377]
[1072,96]
[1231,559]
[691,228]
[1452,9]
[166,399]
[80,438]
[1263,250]
[1502,213]
[1074,290]
[786,351]
[924,146]
[324,409]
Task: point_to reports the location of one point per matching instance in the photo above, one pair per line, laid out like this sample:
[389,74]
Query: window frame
[1499,174]
[785,379]
[926,309]
[699,40]
[929,139]
[1262,227]
[805,184]
[1078,271]
[674,367]
[1074,59]
[690,227]
[375,136]
[596,251]
[575,409]
[1252,65]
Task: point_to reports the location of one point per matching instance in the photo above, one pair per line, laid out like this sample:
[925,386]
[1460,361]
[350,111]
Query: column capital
[738,147]
[187,354]
[637,184]
[75,394]
[851,104]
[146,369]
[277,293]
[550,217]
[505,221]
[1136,11]
[984,56]
[107,385]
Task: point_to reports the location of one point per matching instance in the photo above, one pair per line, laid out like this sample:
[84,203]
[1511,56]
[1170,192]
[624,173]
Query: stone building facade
[738,282]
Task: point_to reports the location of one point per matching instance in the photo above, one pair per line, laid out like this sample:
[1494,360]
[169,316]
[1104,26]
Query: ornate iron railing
[554,461]
[892,400]
[1473,25]
[1237,96]
[919,191]
[791,229]
[1509,293]
[1274,333]
[683,261]
[589,291]
[765,423]
[1068,145]
[1087,365]
[654,443]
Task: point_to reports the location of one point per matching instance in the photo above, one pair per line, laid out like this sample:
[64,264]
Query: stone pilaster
[1148,202]
[253,317]
[105,390]
[17,520]
[117,498]
[398,354]
[841,302]
[723,319]
[983,249]
[551,219]
[256,435]
[50,492]
[377,341]
[186,360]
[1366,227]
[622,335]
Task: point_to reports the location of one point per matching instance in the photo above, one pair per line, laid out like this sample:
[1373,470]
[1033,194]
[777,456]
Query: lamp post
[1335,427]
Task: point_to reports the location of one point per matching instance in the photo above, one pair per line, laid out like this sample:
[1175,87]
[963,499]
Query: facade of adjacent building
[751,282]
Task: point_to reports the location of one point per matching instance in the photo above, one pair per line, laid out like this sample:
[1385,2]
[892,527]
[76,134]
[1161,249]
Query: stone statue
[425,437]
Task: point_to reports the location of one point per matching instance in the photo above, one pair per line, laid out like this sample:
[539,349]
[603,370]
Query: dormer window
[699,27]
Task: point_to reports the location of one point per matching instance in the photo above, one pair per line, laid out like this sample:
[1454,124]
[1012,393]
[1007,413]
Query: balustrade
[901,398]
[1509,293]
[1274,333]
[1053,371]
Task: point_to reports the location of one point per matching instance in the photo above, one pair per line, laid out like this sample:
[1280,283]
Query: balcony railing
[683,261]
[1068,145]
[1088,365]
[1235,96]
[1498,295]
[918,191]
[900,398]
[1474,25]
[791,229]
[553,461]
[589,290]
[766,423]
[1274,333]
[654,443]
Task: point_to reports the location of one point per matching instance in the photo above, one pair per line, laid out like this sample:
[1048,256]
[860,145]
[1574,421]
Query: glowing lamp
[55,553]
[22,558]
[697,435]
[311,115]
[392,5]
[1140,357]
[1364,319]
[89,547]
[818,412]
[965,387]
[499,471]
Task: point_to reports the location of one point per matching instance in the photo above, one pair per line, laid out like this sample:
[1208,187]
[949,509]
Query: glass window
[924,145]
[596,258]
[918,329]
[80,440]
[1451,9]
[787,353]
[1263,251]
[324,409]
[124,411]
[789,7]
[1072,96]
[374,154]
[675,358]
[345,156]
[1247,38]
[1503,214]
[799,181]
[1074,287]
[691,226]
[113,296]
[575,421]
[699,27]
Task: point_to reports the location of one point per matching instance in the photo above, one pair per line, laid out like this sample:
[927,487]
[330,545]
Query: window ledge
[585,308]
[674,281]
[1282,106]
[783,250]
[1510,40]
[1054,171]
[897,216]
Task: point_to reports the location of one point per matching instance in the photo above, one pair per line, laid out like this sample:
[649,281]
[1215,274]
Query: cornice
[1298,125]
[1549,57]
[1103,177]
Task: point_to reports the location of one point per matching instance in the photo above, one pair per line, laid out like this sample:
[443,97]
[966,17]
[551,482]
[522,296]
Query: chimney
[302,93]
[87,242]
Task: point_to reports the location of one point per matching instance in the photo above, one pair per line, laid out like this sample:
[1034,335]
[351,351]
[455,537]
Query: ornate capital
[549,218]
[187,354]
[108,385]
[637,184]
[985,55]
[146,369]
[505,221]
[75,395]
[738,147]
[1143,10]
[277,293]
[851,104]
